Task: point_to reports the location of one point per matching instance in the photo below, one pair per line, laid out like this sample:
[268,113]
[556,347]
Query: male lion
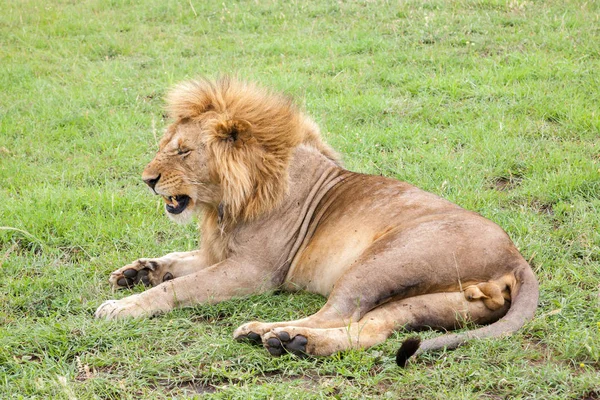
[279,211]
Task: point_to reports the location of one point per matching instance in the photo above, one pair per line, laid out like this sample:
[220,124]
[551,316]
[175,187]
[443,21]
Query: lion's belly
[327,256]
[350,218]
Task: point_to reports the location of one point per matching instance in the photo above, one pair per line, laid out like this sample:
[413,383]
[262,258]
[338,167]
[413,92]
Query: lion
[279,211]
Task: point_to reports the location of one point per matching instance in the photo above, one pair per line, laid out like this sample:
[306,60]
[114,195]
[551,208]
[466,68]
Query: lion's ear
[237,131]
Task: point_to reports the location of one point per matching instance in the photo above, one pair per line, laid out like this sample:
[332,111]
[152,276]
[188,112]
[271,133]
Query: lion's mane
[250,133]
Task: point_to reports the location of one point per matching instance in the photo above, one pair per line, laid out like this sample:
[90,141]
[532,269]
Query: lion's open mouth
[176,204]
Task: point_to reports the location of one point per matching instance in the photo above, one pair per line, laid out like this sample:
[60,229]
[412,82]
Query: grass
[491,104]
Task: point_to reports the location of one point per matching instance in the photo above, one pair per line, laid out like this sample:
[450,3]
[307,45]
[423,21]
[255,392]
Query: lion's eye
[183,152]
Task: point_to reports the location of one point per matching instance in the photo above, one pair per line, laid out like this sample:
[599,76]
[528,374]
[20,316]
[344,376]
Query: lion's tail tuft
[408,348]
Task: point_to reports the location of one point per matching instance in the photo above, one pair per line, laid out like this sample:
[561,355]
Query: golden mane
[250,134]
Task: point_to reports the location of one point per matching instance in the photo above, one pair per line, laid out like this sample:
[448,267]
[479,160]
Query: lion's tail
[524,303]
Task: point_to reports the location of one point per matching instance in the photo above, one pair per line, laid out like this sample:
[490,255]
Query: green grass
[492,104]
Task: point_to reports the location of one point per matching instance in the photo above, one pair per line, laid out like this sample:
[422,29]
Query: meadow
[494,105]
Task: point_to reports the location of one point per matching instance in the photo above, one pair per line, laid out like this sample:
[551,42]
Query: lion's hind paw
[252,332]
[280,342]
[250,337]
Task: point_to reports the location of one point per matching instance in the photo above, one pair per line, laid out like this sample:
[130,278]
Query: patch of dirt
[84,372]
[542,348]
[593,395]
[545,209]
[503,183]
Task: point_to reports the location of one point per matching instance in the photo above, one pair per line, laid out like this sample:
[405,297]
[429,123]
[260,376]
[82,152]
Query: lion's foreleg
[222,281]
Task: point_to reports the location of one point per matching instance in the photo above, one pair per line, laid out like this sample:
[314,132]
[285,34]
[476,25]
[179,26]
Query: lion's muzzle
[176,204]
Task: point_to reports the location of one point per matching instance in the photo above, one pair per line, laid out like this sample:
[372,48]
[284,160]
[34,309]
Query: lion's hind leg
[435,311]
[253,331]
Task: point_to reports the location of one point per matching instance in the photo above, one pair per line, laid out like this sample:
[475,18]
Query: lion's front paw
[128,307]
[150,272]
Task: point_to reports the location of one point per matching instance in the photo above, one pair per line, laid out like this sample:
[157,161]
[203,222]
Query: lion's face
[180,173]
[227,151]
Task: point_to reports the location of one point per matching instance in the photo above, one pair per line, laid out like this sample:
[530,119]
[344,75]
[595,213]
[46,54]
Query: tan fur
[279,211]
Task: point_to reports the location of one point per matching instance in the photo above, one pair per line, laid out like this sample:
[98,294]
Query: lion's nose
[152,181]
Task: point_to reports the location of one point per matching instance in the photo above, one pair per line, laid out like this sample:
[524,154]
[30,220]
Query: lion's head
[227,149]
